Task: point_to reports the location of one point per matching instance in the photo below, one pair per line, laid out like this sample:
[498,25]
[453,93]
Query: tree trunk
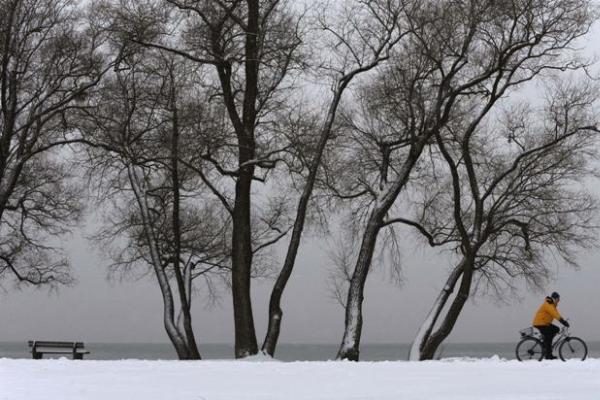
[182,288]
[349,349]
[241,251]
[275,311]
[434,341]
[427,327]
[245,336]
[177,339]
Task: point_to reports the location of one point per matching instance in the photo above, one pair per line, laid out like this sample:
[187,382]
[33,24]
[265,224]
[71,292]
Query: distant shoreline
[285,351]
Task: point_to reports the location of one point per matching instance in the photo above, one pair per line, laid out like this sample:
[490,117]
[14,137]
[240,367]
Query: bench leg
[77,356]
[36,356]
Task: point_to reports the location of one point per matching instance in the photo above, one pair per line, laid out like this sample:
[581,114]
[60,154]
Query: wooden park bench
[39,348]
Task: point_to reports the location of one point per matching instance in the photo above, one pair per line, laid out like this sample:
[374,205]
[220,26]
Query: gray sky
[97,310]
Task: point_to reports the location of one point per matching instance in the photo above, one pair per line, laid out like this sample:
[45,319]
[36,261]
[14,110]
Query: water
[285,351]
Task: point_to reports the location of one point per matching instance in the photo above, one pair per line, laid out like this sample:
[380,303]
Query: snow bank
[453,379]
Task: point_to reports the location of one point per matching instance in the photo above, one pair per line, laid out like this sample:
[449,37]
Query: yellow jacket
[546,313]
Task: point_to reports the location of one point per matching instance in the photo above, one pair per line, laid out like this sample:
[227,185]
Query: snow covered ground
[452,379]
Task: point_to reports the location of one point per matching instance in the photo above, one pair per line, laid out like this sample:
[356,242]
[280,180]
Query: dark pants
[548,332]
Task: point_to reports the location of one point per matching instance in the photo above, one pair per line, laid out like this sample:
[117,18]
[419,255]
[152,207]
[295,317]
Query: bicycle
[569,347]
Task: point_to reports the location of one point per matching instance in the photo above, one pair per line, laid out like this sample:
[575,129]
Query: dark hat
[555,295]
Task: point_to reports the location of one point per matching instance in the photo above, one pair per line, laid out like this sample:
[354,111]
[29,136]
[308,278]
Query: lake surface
[285,351]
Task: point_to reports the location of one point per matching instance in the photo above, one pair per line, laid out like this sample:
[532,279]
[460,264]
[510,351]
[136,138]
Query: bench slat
[63,352]
[40,343]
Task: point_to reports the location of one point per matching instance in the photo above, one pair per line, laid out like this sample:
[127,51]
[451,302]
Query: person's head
[555,297]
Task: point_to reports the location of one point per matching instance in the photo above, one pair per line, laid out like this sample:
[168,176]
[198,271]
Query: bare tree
[49,59]
[140,124]
[360,40]
[511,204]
[252,47]
[474,52]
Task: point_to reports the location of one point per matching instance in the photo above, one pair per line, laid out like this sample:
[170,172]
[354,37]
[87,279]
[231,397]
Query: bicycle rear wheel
[529,349]
[573,348]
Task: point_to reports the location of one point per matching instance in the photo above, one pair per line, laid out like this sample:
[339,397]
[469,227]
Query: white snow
[450,379]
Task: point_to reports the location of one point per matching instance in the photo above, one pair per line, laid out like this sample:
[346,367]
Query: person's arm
[556,315]
[553,311]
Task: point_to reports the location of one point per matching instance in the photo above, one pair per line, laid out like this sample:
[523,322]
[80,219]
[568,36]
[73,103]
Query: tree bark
[427,327]
[241,253]
[182,288]
[349,349]
[434,341]
[245,336]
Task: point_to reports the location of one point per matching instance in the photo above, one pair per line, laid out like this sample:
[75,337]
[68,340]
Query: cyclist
[543,322]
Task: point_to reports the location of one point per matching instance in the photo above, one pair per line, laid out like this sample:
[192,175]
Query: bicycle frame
[560,337]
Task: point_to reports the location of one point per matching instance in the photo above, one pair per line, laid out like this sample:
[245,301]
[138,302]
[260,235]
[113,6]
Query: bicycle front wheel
[529,349]
[573,348]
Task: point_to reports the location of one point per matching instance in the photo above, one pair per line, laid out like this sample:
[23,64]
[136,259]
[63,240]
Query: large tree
[49,58]
[141,127]
[506,207]
[473,53]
